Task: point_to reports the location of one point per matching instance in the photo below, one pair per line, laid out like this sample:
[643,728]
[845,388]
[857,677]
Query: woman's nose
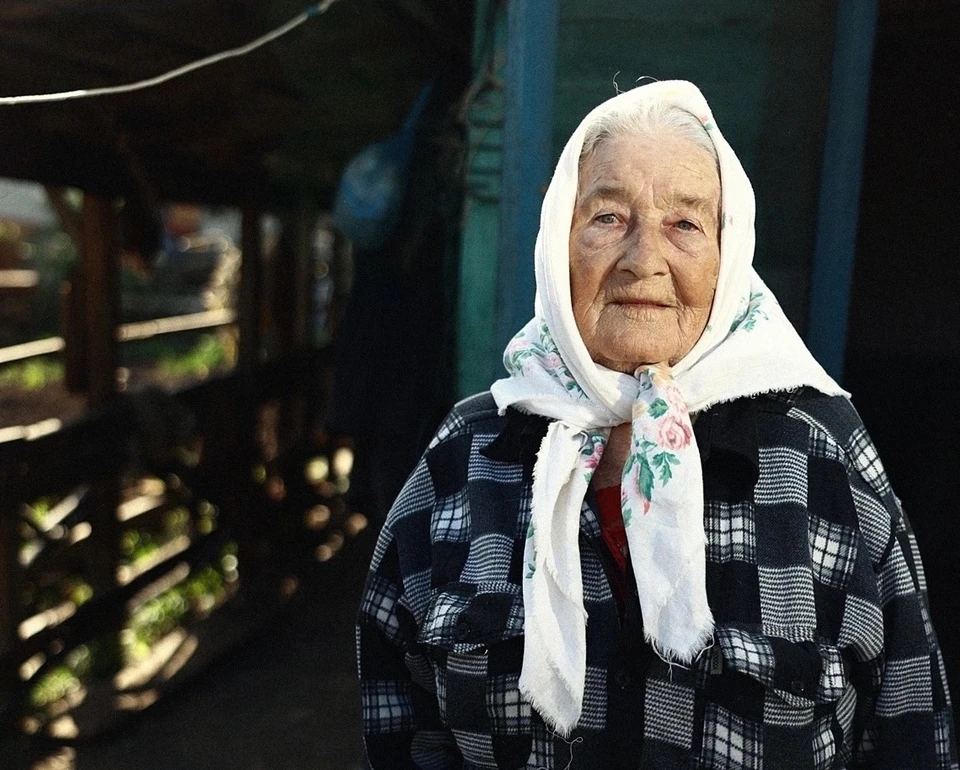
[644,252]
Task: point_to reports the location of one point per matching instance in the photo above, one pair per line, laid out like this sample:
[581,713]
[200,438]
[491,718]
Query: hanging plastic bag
[372,187]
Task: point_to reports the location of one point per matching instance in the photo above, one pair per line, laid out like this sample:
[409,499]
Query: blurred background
[234,305]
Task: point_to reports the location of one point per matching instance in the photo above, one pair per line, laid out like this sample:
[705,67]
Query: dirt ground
[285,700]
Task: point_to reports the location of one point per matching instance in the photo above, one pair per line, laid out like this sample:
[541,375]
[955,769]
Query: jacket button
[461,631]
[798,687]
[622,678]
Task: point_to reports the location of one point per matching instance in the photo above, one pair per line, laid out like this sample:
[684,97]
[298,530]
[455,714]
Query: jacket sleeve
[908,721]
[401,716]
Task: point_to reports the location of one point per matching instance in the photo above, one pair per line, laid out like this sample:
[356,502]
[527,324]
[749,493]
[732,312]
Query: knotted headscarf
[748,347]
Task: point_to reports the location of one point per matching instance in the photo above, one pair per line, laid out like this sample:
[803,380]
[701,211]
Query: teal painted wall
[764,66]
[477,321]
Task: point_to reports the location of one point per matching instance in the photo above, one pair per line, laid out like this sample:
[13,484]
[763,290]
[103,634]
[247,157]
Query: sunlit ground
[285,700]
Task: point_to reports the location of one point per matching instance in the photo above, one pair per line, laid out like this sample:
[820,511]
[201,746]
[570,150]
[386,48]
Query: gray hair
[648,118]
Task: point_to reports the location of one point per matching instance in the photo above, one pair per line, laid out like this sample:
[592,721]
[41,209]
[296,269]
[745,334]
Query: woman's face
[644,249]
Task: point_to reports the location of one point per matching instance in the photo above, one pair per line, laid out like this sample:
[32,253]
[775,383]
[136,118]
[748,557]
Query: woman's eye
[687,226]
[606,219]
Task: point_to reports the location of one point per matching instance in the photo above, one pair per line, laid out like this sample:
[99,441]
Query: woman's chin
[629,362]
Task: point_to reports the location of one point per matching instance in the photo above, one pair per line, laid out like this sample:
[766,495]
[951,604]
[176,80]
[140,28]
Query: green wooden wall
[764,66]
[477,320]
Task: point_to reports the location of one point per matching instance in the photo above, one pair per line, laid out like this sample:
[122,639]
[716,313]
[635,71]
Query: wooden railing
[129,332]
[226,489]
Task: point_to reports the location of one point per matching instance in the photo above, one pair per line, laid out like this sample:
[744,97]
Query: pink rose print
[672,394]
[674,434]
[593,459]
[552,362]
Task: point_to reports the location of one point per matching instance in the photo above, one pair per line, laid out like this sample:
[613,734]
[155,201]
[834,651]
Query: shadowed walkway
[285,700]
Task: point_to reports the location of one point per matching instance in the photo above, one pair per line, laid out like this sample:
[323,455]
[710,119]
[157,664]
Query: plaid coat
[824,654]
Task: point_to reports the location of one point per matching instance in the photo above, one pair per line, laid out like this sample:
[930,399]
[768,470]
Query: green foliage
[158,617]
[180,355]
[33,374]
[55,685]
[136,545]
[155,619]
[207,356]
[37,512]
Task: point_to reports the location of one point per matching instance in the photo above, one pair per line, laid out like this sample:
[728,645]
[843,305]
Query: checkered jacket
[824,654]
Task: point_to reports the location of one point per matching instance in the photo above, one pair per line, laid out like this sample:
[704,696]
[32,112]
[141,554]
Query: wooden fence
[140,540]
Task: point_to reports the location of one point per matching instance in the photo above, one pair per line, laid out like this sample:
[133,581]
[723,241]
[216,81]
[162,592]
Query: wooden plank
[31,349]
[61,557]
[57,460]
[101,299]
[12,280]
[142,330]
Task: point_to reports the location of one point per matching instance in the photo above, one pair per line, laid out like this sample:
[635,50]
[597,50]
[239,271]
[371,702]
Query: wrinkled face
[644,249]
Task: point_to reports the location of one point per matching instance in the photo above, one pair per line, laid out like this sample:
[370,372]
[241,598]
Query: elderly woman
[665,540]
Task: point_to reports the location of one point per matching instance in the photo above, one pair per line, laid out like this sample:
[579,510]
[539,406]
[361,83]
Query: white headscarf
[748,347]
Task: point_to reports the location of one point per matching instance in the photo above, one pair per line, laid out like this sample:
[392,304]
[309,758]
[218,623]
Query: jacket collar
[519,440]
[726,436]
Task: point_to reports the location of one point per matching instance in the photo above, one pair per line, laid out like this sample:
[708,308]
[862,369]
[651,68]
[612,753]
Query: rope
[62,96]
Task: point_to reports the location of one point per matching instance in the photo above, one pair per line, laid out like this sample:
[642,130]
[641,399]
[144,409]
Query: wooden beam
[33,349]
[101,296]
[144,330]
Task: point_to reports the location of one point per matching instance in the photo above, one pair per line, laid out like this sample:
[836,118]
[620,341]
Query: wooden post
[9,567]
[101,296]
[303,316]
[341,268]
[250,310]
[72,322]
[246,452]
[100,238]
[283,304]
[293,312]
[73,329]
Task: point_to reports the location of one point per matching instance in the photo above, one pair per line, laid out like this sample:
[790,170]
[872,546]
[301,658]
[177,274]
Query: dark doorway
[903,361]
